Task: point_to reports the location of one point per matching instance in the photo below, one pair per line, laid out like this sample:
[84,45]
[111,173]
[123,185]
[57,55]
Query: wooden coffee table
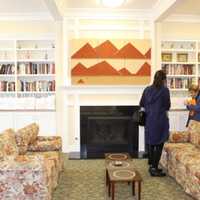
[111,157]
[123,173]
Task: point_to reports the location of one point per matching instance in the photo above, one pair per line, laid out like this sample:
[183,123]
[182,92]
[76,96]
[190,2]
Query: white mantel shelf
[108,89]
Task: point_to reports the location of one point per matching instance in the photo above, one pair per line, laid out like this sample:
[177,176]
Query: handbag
[139,117]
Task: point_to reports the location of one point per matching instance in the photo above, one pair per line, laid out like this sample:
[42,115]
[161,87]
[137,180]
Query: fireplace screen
[108,129]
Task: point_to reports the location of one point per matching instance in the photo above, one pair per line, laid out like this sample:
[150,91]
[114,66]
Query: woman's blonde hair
[194,88]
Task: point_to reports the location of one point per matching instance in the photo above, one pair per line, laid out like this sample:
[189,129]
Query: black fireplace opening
[106,129]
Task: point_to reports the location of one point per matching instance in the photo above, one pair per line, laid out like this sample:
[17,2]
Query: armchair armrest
[46,143]
[24,177]
[179,136]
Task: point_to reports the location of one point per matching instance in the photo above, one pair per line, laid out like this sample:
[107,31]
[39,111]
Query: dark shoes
[156,172]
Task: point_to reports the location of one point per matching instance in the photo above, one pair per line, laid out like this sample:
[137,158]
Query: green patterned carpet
[85,180]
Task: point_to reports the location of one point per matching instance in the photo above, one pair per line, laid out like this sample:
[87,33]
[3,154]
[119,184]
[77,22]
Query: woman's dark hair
[159,78]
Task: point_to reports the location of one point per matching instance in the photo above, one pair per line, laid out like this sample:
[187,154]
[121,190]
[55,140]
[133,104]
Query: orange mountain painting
[110,62]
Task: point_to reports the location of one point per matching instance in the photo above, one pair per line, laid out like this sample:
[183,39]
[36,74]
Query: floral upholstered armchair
[28,175]
[181,158]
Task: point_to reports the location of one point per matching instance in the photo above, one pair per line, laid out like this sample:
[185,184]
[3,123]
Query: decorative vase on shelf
[36,46]
[172,46]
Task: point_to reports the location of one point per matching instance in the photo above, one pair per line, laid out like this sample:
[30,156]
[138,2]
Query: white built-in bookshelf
[27,74]
[181,61]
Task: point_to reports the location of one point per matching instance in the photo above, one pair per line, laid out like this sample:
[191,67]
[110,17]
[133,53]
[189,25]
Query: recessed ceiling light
[112,3]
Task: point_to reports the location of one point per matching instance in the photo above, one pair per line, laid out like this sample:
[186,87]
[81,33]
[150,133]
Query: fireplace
[108,129]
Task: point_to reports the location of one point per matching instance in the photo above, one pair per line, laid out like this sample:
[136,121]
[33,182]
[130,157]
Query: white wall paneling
[7,120]
[47,123]
[23,119]
[16,120]
[178,119]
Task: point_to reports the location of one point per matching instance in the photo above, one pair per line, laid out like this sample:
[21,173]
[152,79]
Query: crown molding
[27,36]
[183,18]
[26,16]
[112,14]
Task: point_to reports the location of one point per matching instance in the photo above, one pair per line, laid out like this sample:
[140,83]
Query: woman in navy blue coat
[156,102]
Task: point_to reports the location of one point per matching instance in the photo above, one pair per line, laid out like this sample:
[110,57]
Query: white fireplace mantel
[112,95]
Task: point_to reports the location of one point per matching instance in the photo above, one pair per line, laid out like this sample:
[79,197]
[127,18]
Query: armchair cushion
[46,143]
[8,145]
[194,129]
[26,136]
[179,136]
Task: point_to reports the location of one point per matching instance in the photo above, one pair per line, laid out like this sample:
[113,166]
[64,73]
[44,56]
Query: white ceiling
[22,6]
[38,7]
[188,7]
[129,4]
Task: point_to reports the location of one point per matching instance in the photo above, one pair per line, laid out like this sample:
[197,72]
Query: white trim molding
[53,9]
[107,89]
[108,14]
[183,18]
[35,16]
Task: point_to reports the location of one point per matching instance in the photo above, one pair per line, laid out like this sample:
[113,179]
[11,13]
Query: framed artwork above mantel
[110,62]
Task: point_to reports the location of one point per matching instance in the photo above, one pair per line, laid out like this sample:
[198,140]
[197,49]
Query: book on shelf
[179,83]
[36,68]
[36,86]
[178,69]
[7,69]
[6,86]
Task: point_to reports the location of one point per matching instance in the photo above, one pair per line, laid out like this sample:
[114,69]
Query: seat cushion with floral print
[46,143]
[26,177]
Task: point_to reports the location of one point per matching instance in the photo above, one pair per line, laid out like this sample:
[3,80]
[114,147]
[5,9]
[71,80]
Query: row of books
[6,86]
[178,69]
[36,86]
[7,68]
[33,68]
[178,83]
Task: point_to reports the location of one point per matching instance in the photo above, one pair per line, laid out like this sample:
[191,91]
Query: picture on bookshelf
[182,57]
[166,57]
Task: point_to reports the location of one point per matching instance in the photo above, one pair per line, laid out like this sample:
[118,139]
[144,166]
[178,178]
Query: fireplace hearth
[108,129]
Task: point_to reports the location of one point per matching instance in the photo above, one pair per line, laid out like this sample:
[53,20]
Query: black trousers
[154,154]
